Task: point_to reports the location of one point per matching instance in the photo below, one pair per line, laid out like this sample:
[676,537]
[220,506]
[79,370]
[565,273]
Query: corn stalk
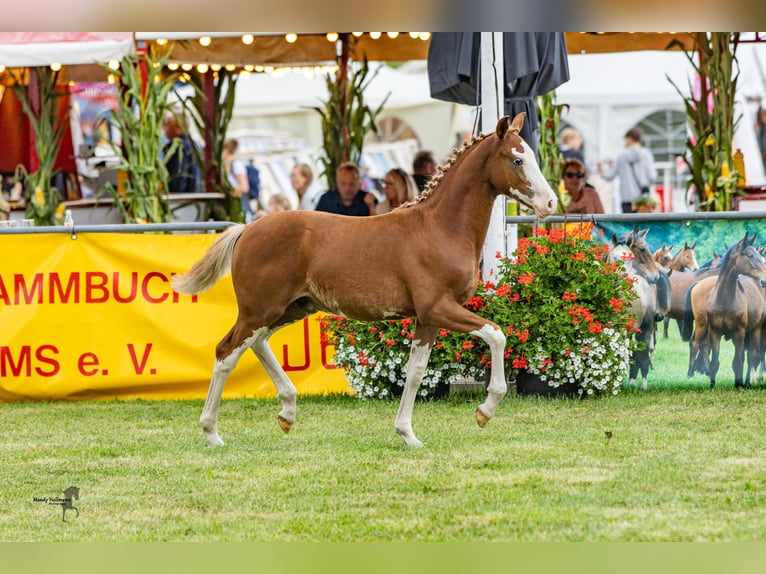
[139,117]
[711,119]
[548,150]
[43,199]
[346,119]
[224,92]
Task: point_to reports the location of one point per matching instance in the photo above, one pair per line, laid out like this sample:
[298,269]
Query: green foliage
[548,148]
[224,93]
[711,119]
[43,199]
[563,307]
[346,119]
[142,105]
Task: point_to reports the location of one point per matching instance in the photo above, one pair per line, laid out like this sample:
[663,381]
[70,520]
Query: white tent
[610,93]
[20,49]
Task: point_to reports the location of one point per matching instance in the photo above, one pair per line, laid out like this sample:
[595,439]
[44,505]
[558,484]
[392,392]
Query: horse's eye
[517,161]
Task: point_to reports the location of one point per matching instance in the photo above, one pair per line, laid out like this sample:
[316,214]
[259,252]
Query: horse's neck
[676,263]
[462,201]
[726,285]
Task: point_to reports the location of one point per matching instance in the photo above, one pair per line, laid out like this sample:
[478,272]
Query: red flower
[520,363]
[475,303]
[468,344]
[526,278]
[390,342]
[567,296]
[503,290]
[617,304]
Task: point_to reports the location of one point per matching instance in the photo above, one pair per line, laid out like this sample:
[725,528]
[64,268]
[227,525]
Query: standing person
[236,173]
[182,169]
[761,127]
[301,177]
[635,168]
[399,188]
[583,197]
[423,168]
[348,198]
[571,145]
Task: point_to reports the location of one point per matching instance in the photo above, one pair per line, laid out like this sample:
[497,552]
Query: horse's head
[619,251]
[643,261]
[664,255]
[518,175]
[746,259]
[687,258]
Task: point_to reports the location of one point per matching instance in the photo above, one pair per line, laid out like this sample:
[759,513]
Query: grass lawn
[682,464]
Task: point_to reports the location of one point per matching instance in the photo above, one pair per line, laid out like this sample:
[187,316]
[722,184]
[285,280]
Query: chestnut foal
[420,260]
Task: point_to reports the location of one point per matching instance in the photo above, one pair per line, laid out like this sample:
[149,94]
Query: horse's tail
[215,263]
[687,325]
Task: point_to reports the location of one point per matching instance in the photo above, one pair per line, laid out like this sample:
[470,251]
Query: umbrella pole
[492,97]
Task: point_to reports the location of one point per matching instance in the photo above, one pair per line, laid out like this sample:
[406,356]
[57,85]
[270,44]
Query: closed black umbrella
[534,63]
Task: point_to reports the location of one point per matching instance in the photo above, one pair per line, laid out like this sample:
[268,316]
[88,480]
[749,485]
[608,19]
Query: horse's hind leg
[285,388]
[416,368]
[227,358]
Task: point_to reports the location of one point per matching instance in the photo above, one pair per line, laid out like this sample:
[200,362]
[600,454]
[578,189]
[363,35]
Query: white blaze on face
[541,198]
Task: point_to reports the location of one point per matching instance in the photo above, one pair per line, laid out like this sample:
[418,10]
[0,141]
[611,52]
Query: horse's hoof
[481,418]
[214,439]
[284,424]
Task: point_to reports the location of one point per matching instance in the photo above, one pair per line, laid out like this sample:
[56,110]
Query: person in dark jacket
[348,198]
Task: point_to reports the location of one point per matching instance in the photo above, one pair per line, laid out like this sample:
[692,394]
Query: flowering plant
[374,356]
[565,310]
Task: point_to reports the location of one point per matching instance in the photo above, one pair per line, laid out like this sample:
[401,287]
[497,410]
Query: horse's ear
[502,127]
[614,239]
[518,122]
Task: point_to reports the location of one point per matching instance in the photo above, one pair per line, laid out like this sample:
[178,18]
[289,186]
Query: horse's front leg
[714,342]
[422,343]
[497,389]
[738,361]
[453,316]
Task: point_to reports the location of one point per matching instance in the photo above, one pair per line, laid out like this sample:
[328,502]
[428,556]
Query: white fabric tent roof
[265,94]
[21,49]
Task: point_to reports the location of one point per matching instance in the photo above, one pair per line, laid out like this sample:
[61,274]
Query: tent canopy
[23,49]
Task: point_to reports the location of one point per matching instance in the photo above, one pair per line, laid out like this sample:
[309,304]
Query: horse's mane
[726,256]
[433,183]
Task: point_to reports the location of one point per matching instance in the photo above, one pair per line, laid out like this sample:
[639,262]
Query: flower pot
[530,384]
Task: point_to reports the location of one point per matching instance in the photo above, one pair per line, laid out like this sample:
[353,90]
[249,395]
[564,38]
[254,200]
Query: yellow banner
[96,317]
